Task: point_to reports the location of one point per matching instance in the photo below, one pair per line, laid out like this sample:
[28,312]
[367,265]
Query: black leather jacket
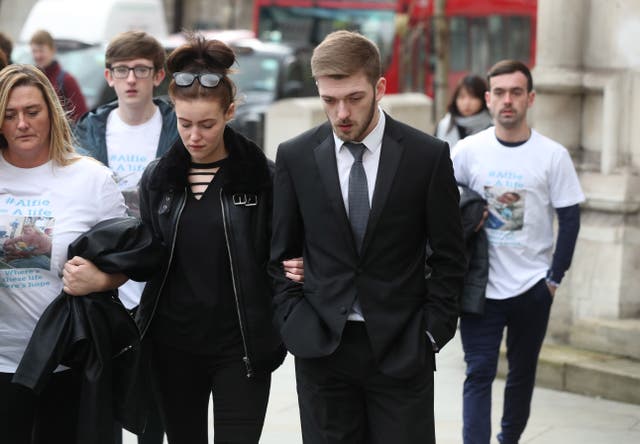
[472,207]
[246,200]
[95,335]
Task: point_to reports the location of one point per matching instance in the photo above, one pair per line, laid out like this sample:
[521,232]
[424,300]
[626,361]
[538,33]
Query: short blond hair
[345,53]
[61,148]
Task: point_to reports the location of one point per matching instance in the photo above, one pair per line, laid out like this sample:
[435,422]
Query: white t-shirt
[130,148]
[62,203]
[523,185]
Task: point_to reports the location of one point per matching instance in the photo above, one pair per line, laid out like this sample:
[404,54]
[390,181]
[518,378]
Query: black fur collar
[247,169]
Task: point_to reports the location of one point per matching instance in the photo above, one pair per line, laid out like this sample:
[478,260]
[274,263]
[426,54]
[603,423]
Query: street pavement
[556,417]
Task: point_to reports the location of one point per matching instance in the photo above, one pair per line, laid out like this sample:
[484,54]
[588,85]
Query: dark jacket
[246,200]
[95,334]
[472,207]
[415,201]
[91,130]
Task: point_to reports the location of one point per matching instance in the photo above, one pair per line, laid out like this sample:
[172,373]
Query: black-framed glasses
[140,71]
[208,80]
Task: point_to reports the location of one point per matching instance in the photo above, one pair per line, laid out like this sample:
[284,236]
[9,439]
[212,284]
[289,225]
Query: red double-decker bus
[481,32]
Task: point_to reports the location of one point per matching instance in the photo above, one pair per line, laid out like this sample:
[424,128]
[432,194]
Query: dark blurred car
[268,72]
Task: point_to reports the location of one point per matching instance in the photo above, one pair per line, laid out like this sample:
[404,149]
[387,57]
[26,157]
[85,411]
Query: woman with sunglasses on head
[467,112]
[207,314]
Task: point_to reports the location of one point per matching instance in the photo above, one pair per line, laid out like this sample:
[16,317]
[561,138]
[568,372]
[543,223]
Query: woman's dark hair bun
[198,54]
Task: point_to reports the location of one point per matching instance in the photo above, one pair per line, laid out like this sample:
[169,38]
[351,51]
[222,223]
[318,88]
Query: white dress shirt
[370,162]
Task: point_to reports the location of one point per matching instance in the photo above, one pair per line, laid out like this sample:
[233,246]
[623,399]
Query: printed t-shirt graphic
[25,241]
[506,208]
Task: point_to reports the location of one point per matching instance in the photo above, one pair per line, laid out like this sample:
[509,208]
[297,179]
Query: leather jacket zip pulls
[116,300]
[225,222]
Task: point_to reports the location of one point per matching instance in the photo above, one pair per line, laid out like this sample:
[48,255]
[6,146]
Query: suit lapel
[390,155]
[325,156]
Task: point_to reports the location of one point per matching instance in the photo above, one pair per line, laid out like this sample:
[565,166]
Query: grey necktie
[358,193]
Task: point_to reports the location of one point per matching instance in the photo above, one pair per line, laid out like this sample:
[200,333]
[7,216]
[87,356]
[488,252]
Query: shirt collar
[373,141]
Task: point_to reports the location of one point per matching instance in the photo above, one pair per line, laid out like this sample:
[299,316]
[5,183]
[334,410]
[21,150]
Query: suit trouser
[526,317]
[344,399]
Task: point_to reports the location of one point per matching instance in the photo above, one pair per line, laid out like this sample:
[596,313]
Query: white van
[95,21]
[82,29]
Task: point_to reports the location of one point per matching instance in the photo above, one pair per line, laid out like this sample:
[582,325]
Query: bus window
[497,39]
[311,25]
[285,24]
[478,45]
[480,33]
[458,44]
[519,41]
[414,61]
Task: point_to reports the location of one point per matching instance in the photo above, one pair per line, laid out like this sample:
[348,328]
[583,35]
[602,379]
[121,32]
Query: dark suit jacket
[415,200]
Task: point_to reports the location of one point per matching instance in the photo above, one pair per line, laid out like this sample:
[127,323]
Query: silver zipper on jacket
[166,273]
[245,359]
[116,300]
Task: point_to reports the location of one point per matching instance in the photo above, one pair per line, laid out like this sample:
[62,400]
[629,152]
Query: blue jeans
[526,317]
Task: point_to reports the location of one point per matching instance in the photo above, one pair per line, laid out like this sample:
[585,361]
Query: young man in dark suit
[359,197]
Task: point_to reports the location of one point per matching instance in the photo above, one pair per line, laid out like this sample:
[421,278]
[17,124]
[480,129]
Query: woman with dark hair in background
[3,59]
[207,313]
[6,46]
[467,112]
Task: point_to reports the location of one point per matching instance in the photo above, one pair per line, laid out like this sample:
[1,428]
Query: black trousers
[153,432]
[185,382]
[50,418]
[344,399]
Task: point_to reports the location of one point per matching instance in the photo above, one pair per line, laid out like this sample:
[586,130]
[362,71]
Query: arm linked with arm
[82,277]
[286,241]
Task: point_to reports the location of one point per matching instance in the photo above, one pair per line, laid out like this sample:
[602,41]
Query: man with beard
[534,176]
[360,196]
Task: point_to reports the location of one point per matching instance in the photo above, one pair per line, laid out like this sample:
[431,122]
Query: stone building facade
[587,78]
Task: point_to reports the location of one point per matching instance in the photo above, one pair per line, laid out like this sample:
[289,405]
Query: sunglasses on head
[208,80]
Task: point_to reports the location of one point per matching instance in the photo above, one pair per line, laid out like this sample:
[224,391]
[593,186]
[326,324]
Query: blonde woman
[44,183]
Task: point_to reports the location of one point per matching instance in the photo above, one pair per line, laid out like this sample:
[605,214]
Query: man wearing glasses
[129,133]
